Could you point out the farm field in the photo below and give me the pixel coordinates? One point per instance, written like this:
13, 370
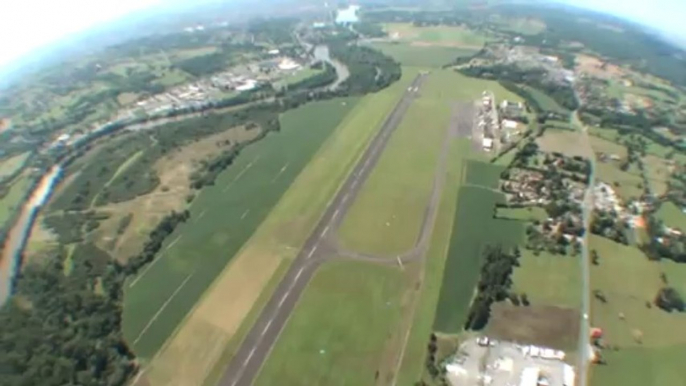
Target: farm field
567, 142
548, 279
644, 335
411, 366
608, 146
451, 36
546, 102
208, 338
672, 216
628, 185
422, 56
523, 214
652, 147
11, 165
474, 214
11, 201
223, 217
340, 327
520, 25
658, 173
297, 77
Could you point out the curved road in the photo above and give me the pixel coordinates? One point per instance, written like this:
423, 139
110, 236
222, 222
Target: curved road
255, 348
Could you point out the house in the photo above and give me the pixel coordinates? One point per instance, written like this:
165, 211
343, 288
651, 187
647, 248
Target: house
487, 144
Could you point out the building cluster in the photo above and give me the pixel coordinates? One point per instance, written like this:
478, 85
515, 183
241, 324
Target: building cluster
488, 123
196, 94
606, 200
530, 58
484, 361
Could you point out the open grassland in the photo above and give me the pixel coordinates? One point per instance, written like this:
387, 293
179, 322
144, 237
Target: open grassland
652, 147
223, 217
645, 337
547, 279
473, 230
545, 101
412, 366
297, 77
340, 327
208, 338
387, 214
628, 185
566, 142
607, 146
658, 172
422, 56
452, 36
13, 198
12, 165
672, 216
534, 213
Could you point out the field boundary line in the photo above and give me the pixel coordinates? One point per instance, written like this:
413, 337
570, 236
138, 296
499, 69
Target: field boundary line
160, 257
157, 314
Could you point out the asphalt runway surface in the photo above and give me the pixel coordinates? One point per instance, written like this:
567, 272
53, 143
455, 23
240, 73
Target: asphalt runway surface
255, 348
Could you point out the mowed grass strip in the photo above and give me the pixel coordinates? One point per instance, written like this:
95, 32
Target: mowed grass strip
548, 279
208, 338
337, 332
423, 56
223, 217
647, 338
387, 214
412, 365
473, 230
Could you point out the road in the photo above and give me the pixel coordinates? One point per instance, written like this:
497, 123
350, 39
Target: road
584, 325
255, 348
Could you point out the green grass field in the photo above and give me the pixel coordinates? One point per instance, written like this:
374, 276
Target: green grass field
337, 332
11, 165
387, 214
422, 326
12, 200
607, 146
439, 35
474, 229
524, 214
672, 216
422, 56
549, 279
647, 338
297, 77
546, 102
223, 218
630, 184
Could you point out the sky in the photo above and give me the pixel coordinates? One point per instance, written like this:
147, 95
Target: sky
29, 24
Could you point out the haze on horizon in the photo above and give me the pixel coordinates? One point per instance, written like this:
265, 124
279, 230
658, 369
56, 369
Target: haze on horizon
32, 24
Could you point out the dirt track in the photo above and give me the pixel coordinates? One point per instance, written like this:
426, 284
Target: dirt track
322, 246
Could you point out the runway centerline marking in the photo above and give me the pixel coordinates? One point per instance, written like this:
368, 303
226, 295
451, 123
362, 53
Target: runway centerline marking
252, 352
325, 230
264, 331
245, 213
283, 299
299, 273
335, 214
312, 252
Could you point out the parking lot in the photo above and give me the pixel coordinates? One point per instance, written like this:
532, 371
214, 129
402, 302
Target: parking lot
487, 362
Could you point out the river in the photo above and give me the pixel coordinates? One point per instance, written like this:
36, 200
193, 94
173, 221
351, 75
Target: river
10, 261
19, 233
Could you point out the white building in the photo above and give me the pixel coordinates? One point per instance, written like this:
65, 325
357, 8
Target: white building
530, 376
348, 15
487, 144
509, 124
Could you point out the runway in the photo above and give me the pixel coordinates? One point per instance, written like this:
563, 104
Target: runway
255, 348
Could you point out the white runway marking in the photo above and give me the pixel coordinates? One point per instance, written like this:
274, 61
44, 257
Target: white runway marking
280, 171
325, 230
252, 352
312, 252
345, 198
161, 255
299, 273
200, 216
147, 326
283, 299
354, 184
239, 175
264, 331
245, 213
335, 214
